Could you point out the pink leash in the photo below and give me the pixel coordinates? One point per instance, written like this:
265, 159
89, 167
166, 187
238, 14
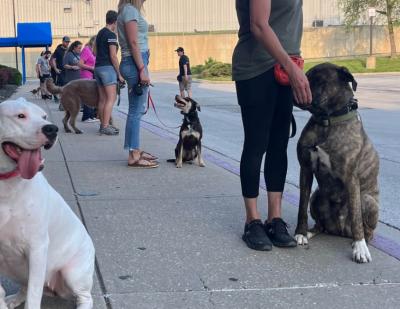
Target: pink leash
150, 102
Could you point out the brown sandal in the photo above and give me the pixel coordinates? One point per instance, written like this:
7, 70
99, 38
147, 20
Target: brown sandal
147, 156
148, 164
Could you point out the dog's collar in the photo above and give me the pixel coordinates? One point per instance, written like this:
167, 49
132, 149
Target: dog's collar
187, 116
346, 113
9, 175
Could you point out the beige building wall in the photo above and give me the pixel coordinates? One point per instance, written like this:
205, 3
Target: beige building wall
328, 42
317, 43
186, 23
326, 10
85, 17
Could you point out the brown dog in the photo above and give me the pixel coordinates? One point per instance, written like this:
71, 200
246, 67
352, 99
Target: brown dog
335, 149
73, 94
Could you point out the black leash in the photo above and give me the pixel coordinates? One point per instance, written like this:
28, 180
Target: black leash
119, 87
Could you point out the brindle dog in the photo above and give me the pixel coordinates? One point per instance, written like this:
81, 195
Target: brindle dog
335, 149
190, 134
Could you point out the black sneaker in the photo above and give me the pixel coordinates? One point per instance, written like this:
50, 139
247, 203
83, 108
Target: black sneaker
255, 237
278, 233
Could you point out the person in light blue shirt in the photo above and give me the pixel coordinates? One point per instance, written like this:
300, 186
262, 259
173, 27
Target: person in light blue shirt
132, 36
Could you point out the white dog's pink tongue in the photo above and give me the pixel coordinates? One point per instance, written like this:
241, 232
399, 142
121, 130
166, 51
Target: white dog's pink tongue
28, 163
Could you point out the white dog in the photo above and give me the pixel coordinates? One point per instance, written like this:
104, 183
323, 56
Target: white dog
43, 245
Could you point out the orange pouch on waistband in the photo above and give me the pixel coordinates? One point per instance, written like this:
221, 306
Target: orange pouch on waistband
281, 75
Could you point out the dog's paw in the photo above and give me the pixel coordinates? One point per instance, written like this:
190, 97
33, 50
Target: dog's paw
301, 239
179, 165
202, 164
361, 252
78, 132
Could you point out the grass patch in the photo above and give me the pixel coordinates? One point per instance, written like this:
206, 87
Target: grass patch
216, 71
357, 65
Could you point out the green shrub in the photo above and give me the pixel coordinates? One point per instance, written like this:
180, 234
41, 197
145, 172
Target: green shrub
209, 63
4, 77
197, 69
219, 69
14, 76
213, 68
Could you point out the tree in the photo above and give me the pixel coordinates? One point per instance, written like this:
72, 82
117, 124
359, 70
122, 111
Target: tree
354, 9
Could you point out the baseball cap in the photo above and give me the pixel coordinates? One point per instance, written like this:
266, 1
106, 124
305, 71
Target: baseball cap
66, 39
179, 49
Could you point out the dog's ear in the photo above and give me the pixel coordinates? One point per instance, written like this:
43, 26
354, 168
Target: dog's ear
195, 104
348, 77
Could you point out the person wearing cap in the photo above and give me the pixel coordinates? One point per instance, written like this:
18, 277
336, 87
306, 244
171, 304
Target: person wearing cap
56, 62
43, 70
185, 75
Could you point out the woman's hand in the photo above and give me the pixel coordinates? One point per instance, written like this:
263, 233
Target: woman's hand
144, 78
76, 67
121, 79
300, 86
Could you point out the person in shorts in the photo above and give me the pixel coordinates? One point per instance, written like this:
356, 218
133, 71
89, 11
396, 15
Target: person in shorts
185, 75
106, 72
43, 70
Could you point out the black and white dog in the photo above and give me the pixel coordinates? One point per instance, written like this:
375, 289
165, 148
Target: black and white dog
190, 134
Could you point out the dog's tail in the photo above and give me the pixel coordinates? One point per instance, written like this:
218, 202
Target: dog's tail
52, 88
171, 160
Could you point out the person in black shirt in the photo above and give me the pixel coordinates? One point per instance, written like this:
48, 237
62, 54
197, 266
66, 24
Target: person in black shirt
185, 75
106, 72
56, 63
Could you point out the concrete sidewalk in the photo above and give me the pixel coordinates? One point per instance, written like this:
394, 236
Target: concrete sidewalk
171, 238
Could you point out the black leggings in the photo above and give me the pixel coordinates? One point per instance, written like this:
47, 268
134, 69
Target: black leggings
266, 114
